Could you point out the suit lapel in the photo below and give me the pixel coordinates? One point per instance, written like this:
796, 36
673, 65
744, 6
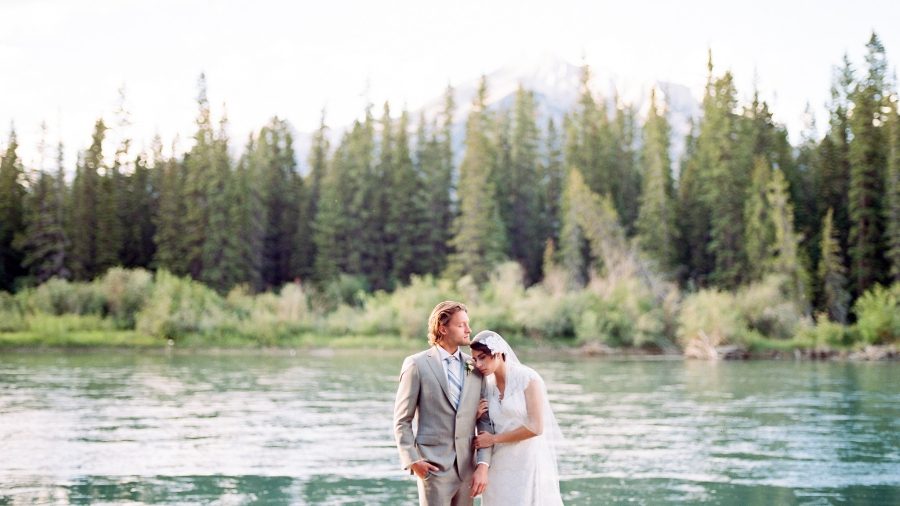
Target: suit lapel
466, 381
434, 361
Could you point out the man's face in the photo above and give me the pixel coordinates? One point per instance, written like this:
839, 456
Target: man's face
457, 331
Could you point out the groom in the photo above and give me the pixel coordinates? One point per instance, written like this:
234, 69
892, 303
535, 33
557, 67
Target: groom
440, 387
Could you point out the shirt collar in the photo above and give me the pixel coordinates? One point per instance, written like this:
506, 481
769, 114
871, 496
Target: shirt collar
443, 353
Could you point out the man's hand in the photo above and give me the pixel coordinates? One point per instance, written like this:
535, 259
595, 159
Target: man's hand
422, 468
479, 480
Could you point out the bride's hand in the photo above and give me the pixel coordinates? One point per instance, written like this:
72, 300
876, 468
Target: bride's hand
485, 440
482, 408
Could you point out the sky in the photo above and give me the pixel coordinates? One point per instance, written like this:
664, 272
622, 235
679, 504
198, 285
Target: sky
64, 61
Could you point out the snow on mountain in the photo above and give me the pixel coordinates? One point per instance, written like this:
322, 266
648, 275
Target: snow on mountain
556, 85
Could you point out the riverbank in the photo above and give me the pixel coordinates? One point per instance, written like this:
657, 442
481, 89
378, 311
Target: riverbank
136, 309
306, 343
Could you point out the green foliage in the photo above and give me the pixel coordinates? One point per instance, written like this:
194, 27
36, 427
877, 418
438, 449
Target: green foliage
760, 310
61, 297
620, 312
878, 315
656, 219
11, 318
177, 307
770, 308
125, 292
711, 315
827, 333
868, 161
479, 239
832, 293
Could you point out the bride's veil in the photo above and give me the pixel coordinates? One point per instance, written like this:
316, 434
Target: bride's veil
551, 432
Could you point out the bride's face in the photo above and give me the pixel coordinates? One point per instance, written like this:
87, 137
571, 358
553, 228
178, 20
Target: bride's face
485, 362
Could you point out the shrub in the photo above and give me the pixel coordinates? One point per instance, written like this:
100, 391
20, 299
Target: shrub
711, 313
768, 309
826, 333
878, 315
495, 307
345, 289
11, 319
179, 306
544, 314
58, 297
618, 311
125, 291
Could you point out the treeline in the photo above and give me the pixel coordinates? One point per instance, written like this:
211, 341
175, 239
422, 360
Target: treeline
388, 202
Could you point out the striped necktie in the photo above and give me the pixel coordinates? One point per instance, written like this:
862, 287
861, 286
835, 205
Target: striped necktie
453, 379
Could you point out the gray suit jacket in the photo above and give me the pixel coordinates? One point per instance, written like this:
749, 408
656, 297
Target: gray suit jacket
444, 434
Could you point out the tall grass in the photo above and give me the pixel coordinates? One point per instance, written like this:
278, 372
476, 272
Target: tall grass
618, 309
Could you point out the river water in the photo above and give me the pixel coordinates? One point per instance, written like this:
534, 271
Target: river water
249, 428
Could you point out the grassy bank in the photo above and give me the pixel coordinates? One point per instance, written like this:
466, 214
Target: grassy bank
617, 313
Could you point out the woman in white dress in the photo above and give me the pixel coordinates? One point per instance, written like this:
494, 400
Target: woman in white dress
525, 437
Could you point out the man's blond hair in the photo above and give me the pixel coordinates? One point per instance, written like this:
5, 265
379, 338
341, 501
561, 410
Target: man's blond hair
441, 315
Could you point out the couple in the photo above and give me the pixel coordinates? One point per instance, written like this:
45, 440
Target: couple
489, 404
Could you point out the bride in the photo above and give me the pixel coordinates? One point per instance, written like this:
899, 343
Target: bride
523, 464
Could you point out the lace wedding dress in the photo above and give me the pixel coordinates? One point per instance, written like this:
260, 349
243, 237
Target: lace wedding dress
522, 473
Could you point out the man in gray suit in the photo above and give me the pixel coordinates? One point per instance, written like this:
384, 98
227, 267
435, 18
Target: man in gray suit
441, 388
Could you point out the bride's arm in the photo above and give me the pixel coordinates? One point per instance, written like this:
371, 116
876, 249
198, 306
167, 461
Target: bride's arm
534, 401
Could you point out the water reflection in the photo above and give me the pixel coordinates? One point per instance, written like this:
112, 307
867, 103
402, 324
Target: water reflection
237, 429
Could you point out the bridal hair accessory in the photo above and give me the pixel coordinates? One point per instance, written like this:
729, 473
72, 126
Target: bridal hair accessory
493, 341
496, 344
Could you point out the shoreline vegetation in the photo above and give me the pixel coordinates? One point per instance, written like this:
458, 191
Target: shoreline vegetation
612, 316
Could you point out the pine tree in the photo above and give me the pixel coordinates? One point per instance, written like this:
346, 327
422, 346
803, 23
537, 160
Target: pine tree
169, 237
340, 230
199, 174
625, 183
377, 210
868, 160
552, 177
589, 140
574, 248
759, 229
12, 210
110, 236
656, 218
86, 199
247, 221
692, 218
140, 210
479, 240
832, 294
318, 166
406, 223
892, 187
808, 165
434, 163
520, 198
722, 181
216, 271
833, 176
786, 259
44, 241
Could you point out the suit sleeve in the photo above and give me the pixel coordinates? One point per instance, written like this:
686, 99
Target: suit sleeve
405, 406
484, 424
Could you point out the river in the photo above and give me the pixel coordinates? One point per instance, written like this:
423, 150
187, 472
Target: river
315, 428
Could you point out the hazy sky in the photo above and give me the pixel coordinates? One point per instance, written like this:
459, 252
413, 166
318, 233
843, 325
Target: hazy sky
63, 61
